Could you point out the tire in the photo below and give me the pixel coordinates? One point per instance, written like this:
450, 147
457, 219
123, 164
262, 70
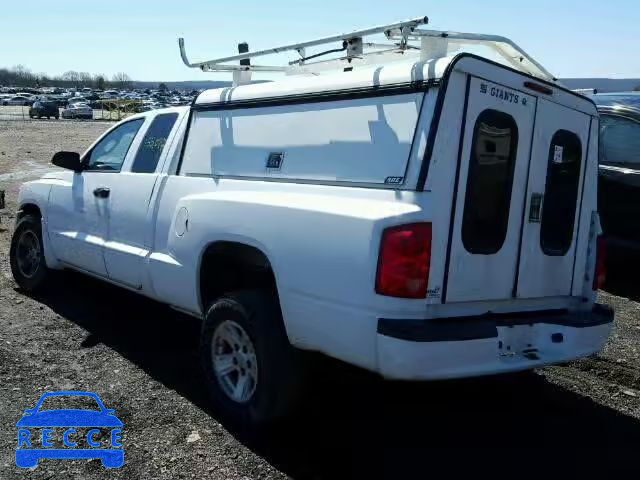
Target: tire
30, 274
278, 368
57, 117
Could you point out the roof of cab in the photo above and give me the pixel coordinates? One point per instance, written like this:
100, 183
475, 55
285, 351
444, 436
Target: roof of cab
374, 76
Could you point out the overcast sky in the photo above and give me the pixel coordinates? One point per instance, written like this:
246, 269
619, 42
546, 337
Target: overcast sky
139, 37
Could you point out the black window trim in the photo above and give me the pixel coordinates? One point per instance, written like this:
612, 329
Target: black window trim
319, 97
87, 155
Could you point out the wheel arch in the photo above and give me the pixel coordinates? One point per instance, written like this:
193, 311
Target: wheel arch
228, 265
29, 208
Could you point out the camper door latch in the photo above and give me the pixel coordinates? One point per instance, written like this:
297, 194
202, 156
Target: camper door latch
535, 208
274, 161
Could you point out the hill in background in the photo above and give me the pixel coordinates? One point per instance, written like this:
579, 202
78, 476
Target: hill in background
603, 84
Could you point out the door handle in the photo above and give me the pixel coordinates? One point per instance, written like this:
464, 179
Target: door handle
101, 192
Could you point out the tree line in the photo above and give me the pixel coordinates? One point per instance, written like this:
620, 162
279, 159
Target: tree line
21, 76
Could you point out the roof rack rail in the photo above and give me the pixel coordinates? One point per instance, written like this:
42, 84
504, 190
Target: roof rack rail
403, 37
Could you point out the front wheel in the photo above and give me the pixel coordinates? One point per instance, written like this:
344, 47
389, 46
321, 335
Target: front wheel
252, 371
26, 254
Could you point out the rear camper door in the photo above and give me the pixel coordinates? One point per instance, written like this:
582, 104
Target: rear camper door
490, 195
554, 200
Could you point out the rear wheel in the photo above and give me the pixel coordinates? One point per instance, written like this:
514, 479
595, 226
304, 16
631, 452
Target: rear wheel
252, 370
26, 255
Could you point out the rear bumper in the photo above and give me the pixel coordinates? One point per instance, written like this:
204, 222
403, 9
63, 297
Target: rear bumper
488, 344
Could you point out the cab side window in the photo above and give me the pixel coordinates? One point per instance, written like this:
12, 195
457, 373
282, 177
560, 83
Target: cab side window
110, 152
619, 141
153, 143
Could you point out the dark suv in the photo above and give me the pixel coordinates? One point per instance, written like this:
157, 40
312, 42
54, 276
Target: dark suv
619, 170
44, 108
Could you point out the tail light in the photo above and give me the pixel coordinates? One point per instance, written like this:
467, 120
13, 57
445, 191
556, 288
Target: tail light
600, 273
403, 261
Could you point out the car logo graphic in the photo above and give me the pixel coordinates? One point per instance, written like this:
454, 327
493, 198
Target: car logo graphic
33, 446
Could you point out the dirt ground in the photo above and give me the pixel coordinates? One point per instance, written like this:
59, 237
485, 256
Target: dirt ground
141, 359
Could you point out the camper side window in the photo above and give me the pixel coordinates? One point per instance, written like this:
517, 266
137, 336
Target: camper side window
489, 182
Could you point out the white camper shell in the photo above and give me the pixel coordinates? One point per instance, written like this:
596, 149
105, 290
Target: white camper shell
422, 218
501, 165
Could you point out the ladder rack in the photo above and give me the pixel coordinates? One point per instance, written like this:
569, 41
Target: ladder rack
403, 38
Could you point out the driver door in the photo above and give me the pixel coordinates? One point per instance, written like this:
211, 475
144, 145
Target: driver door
78, 215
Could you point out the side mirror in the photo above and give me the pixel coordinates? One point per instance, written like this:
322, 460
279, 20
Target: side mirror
68, 160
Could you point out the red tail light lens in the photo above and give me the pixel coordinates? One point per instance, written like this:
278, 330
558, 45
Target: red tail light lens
404, 260
600, 273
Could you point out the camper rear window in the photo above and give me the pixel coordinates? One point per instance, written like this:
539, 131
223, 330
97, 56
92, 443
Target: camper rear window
489, 182
561, 193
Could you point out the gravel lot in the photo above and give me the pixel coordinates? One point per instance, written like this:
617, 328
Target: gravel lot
141, 359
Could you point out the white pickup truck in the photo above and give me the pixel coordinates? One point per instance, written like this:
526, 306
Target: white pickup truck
423, 219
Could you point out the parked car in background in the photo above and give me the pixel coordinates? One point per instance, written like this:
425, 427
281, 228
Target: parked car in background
44, 108
59, 100
78, 110
110, 94
17, 100
29, 95
73, 100
619, 169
